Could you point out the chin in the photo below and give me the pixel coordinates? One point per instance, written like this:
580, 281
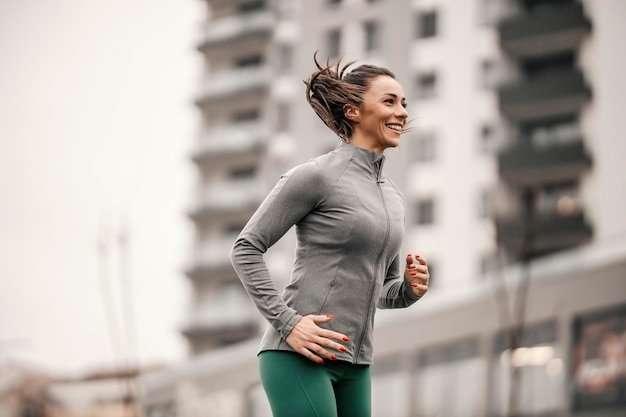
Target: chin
393, 143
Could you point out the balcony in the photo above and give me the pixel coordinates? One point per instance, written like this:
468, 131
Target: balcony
235, 81
228, 317
236, 27
557, 93
546, 30
550, 233
228, 197
211, 257
525, 165
231, 140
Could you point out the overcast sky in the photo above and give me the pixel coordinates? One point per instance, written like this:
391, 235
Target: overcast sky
96, 122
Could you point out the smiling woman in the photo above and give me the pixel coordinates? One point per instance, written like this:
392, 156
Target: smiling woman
338, 99
349, 219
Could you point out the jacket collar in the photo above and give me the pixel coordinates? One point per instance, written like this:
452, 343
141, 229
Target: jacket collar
371, 160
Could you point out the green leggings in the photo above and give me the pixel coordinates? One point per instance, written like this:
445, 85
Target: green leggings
298, 387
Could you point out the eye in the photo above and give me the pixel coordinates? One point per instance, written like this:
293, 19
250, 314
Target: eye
404, 104
389, 100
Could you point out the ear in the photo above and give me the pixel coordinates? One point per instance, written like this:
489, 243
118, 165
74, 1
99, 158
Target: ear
351, 112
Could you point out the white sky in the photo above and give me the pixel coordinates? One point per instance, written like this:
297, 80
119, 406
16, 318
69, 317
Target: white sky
96, 122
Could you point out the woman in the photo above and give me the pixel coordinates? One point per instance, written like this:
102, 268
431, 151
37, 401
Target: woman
314, 358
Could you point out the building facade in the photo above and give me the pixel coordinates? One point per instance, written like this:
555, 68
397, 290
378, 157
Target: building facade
511, 179
228, 156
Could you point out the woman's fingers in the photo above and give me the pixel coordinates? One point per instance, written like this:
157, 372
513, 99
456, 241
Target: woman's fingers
416, 273
310, 340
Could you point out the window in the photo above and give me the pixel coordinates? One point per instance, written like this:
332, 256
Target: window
441, 380
389, 387
488, 74
333, 43
598, 359
246, 116
286, 9
425, 147
258, 404
234, 228
549, 65
282, 117
251, 6
553, 132
372, 35
562, 199
249, 61
488, 11
426, 25
485, 205
539, 359
488, 139
425, 212
488, 264
243, 173
426, 86
285, 58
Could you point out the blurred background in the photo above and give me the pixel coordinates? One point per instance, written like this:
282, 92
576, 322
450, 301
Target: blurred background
137, 138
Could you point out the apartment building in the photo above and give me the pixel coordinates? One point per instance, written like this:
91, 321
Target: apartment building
512, 184
228, 155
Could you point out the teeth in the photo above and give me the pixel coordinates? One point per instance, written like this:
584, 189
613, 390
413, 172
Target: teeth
395, 127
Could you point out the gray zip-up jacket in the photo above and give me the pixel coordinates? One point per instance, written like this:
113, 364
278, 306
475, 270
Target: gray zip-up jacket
349, 221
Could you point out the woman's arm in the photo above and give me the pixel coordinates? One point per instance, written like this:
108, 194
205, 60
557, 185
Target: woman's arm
289, 201
400, 292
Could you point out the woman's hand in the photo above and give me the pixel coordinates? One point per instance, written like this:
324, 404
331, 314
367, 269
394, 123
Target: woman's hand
310, 340
417, 274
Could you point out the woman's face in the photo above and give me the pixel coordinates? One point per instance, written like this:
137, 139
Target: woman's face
382, 115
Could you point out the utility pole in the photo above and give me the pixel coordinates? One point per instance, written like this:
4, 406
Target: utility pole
120, 316
512, 307
516, 330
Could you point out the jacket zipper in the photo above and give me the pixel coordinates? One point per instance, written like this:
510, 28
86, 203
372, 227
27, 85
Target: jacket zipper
380, 254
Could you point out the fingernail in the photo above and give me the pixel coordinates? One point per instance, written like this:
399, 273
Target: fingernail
413, 274
417, 256
414, 285
343, 349
334, 358
345, 339
321, 361
330, 316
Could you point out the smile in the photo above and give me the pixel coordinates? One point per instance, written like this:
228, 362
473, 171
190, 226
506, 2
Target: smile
397, 128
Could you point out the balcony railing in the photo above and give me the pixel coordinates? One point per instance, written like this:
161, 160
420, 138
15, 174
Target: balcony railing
230, 308
231, 139
556, 93
211, 256
525, 165
548, 29
550, 232
228, 197
235, 81
239, 26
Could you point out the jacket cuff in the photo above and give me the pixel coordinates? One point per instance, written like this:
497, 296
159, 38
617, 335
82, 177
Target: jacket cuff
408, 292
289, 322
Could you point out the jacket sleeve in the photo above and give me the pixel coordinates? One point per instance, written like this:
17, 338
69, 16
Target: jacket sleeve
397, 292
296, 194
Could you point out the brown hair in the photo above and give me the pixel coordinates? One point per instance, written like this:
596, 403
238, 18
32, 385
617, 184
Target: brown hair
330, 89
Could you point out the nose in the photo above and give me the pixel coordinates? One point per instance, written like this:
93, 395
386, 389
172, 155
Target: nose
402, 113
